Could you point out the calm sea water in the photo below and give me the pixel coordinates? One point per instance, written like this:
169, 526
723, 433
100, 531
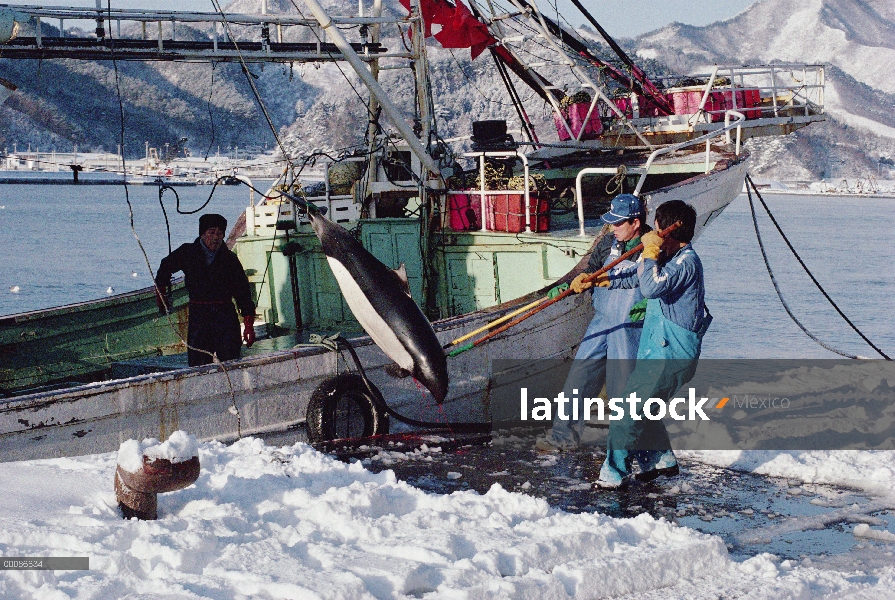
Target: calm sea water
62, 244
845, 242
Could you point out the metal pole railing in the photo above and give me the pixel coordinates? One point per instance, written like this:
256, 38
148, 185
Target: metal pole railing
483, 192
579, 196
675, 147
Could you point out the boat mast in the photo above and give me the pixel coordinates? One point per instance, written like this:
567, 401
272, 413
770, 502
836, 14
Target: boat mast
373, 105
393, 112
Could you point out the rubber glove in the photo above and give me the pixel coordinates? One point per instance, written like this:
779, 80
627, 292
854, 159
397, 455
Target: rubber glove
248, 333
554, 292
161, 302
652, 245
578, 284
602, 280
638, 312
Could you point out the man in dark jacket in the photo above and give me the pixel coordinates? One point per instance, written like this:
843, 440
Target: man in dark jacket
214, 278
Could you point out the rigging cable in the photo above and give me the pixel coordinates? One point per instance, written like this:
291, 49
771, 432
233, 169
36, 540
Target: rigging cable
749, 188
249, 76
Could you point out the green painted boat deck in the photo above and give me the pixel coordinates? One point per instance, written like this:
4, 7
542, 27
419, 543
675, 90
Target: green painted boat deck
124, 335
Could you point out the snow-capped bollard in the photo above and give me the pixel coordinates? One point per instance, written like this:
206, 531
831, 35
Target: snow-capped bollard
148, 468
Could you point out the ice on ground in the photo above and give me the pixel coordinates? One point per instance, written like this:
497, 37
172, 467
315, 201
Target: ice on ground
291, 522
864, 530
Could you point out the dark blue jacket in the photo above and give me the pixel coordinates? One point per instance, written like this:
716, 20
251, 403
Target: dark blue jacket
224, 280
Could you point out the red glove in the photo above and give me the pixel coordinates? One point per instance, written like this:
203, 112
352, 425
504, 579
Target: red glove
248, 333
163, 308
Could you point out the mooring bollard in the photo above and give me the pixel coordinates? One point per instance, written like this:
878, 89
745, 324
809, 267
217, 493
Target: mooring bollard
150, 468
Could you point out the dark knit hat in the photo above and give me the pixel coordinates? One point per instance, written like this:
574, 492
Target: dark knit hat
212, 220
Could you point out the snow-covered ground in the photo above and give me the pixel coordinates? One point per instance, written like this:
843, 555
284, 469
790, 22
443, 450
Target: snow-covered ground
290, 522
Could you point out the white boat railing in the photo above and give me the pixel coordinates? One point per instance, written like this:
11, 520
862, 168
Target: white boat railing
783, 90
644, 171
483, 193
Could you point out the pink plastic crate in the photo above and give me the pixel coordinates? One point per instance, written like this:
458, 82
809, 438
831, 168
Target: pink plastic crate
686, 102
646, 107
745, 99
575, 114
464, 211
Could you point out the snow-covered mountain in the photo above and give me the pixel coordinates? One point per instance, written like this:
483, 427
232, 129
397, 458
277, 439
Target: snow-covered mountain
855, 38
312, 106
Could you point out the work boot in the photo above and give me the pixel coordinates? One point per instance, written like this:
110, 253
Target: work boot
655, 464
611, 478
672, 471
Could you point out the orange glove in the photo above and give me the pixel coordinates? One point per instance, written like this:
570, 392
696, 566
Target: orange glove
602, 280
652, 245
579, 284
248, 333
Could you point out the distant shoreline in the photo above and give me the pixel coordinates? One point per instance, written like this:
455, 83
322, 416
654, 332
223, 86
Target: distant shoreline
818, 194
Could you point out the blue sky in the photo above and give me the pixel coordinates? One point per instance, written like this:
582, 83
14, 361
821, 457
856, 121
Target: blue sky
621, 18
629, 18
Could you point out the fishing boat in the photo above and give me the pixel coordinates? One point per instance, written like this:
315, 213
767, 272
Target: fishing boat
479, 241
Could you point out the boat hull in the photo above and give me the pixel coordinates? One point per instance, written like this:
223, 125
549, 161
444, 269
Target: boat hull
268, 393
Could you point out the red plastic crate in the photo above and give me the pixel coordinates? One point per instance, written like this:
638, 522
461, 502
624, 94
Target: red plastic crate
575, 114
686, 102
506, 212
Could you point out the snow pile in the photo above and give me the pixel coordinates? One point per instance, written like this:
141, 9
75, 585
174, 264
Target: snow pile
294, 523
870, 470
179, 447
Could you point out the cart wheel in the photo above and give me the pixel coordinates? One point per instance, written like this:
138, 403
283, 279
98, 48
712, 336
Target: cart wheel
343, 408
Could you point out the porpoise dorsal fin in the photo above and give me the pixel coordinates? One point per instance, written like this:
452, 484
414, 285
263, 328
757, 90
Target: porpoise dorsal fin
401, 274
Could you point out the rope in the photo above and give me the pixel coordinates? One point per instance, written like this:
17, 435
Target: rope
248, 76
749, 189
616, 185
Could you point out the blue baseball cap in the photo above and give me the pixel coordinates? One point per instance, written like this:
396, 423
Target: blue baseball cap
623, 207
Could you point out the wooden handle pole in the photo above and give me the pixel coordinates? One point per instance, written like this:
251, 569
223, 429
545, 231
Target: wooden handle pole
544, 302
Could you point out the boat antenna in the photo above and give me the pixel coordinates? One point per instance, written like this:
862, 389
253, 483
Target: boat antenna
636, 72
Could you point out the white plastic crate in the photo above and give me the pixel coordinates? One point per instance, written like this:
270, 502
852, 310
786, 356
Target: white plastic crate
262, 220
341, 209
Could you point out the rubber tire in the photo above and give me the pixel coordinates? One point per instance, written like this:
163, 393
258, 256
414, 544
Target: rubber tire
341, 407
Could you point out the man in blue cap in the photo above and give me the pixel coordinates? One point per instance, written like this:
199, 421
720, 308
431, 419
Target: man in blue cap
607, 352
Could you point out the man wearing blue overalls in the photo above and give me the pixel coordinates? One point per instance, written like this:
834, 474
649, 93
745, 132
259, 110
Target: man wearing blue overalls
607, 352
670, 276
